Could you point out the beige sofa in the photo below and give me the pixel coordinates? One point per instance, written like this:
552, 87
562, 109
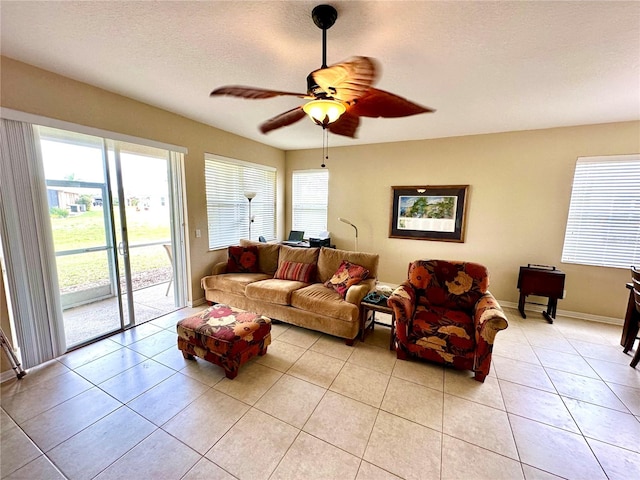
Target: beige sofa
308, 305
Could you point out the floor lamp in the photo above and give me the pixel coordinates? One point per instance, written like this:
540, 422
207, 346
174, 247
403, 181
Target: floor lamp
344, 220
250, 196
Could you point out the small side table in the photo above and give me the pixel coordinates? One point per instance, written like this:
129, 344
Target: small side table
543, 281
365, 322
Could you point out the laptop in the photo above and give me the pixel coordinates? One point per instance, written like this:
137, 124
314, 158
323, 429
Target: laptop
295, 237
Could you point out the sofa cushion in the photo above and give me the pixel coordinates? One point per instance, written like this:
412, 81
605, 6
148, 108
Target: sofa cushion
300, 272
243, 260
232, 282
267, 255
273, 290
318, 298
347, 274
330, 259
297, 254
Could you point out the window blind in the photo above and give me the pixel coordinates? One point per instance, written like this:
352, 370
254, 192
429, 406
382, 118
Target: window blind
603, 227
310, 197
226, 182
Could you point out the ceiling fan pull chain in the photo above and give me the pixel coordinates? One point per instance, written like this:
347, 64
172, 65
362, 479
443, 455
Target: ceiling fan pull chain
325, 145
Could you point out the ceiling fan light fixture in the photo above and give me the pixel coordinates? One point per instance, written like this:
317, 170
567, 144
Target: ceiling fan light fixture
324, 111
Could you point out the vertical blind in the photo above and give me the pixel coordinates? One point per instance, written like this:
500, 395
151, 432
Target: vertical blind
309, 201
27, 246
226, 181
603, 228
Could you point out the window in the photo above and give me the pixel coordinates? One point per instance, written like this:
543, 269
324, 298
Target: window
603, 227
226, 181
309, 201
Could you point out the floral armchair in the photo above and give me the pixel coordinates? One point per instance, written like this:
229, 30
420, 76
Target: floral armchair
444, 313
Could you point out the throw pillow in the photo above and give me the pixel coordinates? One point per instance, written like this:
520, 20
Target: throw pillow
347, 274
243, 260
300, 272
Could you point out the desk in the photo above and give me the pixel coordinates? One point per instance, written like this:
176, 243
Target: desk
304, 244
300, 244
542, 281
631, 320
365, 322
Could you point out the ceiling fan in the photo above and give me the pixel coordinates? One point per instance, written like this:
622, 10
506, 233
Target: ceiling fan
339, 94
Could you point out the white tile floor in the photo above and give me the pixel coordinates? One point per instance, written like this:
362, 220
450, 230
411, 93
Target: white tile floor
561, 402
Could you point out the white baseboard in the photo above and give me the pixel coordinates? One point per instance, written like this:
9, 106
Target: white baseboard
566, 313
197, 302
7, 375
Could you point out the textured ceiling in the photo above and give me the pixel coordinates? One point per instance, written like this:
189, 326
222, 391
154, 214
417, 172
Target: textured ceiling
485, 66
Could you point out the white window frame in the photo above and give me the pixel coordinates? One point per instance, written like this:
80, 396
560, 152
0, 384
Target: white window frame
603, 225
309, 201
227, 180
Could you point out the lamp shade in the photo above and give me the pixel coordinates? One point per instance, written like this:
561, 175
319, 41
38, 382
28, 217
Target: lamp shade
324, 111
344, 220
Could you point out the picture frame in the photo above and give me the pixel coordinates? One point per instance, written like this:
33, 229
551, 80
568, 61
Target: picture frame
430, 212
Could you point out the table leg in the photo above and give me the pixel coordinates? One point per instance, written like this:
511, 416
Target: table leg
521, 305
631, 331
630, 327
392, 341
366, 322
550, 314
363, 322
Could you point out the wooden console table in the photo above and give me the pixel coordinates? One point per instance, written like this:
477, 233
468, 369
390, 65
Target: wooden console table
543, 281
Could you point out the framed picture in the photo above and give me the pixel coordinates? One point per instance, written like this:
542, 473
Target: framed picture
429, 212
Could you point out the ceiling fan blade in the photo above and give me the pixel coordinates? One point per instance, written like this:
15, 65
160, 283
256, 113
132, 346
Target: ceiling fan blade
378, 103
282, 120
253, 93
346, 125
345, 81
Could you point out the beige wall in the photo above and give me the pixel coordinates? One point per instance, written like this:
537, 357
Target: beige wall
40, 92
520, 187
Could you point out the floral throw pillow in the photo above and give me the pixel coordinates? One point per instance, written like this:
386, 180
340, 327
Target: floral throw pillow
347, 274
300, 272
243, 260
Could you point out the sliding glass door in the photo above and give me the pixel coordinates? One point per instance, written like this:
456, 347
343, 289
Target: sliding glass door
143, 232
115, 235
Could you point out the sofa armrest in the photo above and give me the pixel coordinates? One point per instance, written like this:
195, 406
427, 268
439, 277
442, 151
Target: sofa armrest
357, 292
219, 268
403, 303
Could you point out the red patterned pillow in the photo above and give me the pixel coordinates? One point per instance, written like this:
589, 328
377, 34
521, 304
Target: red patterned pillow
300, 272
347, 274
243, 260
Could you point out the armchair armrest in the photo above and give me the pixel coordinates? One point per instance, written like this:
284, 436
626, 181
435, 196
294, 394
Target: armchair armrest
403, 303
489, 320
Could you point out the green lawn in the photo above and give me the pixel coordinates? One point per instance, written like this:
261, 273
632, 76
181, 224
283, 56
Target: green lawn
88, 230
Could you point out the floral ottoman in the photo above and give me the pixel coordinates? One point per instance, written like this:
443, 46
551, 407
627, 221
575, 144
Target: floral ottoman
224, 335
